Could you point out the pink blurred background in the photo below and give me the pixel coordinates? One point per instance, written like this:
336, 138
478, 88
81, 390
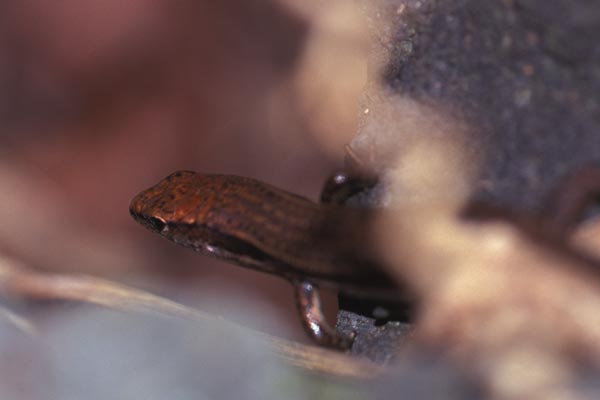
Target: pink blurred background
101, 99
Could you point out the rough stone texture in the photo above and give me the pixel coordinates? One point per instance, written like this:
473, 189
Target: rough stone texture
524, 75
389, 337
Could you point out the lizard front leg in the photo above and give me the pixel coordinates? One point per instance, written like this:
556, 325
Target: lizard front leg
308, 303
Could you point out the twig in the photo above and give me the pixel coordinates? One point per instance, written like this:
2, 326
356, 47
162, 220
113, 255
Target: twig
21, 323
18, 280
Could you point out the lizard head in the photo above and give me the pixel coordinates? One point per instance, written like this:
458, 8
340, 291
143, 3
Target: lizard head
179, 198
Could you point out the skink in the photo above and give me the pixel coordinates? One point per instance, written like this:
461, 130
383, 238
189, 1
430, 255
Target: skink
256, 225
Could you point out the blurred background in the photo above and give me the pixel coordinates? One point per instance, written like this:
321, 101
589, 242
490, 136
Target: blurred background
101, 99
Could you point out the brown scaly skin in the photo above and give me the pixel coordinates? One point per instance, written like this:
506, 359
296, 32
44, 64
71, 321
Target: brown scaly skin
256, 225
232, 217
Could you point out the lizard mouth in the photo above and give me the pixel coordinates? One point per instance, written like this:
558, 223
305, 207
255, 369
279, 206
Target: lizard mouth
155, 224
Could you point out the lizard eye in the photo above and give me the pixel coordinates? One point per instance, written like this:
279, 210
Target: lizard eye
158, 224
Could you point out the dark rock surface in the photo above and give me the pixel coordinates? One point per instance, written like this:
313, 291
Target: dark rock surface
523, 74
378, 343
